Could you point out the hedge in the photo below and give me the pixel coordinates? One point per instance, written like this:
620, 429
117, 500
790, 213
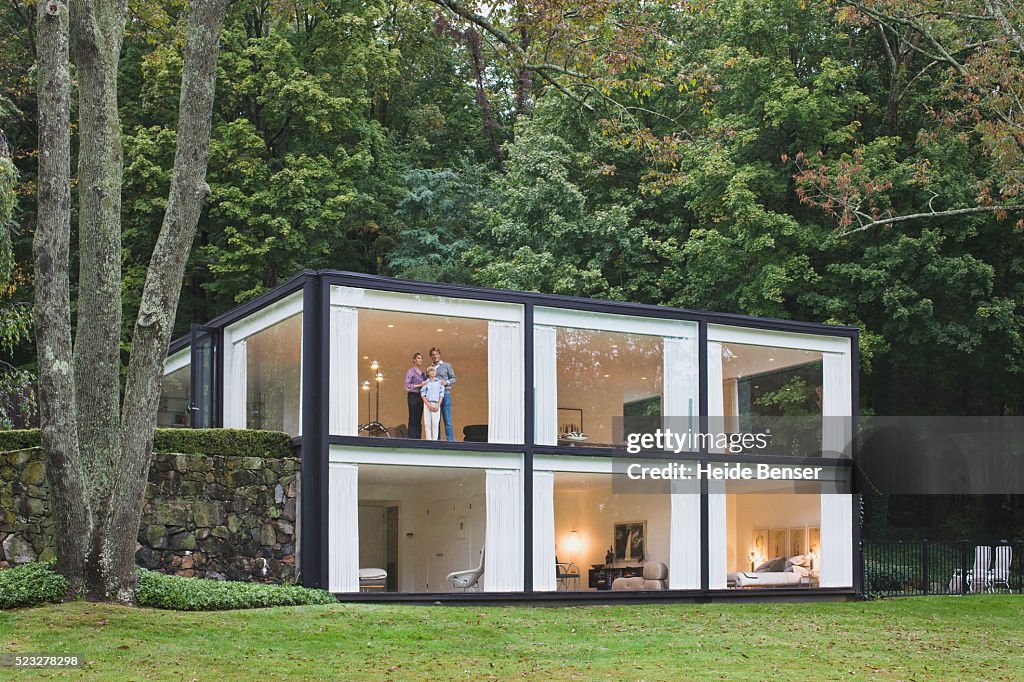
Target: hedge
161, 591
219, 442
30, 585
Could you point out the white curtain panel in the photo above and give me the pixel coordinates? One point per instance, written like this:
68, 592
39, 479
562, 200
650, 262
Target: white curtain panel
504, 382
544, 579
836, 404
681, 384
503, 558
716, 397
684, 539
545, 391
343, 527
836, 540
344, 372
235, 395
717, 536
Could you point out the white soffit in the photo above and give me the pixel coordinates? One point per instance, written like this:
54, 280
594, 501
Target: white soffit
180, 359
266, 317
607, 322
778, 339
429, 305
425, 458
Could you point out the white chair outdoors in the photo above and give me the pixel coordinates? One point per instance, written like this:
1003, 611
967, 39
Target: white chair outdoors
1000, 573
977, 577
470, 578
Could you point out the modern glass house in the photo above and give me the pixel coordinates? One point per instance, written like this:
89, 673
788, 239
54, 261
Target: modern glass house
531, 498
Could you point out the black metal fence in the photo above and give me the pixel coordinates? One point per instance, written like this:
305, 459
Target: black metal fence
924, 567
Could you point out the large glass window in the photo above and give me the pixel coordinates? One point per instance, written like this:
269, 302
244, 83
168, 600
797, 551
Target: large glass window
273, 388
387, 343
384, 346
773, 535
767, 389
418, 525
594, 373
175, 398
605, 540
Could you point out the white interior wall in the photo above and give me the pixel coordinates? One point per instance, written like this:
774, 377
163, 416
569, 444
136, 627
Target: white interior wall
765, 511
428, 514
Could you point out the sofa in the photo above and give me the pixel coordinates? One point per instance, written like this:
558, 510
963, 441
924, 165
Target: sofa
655, 577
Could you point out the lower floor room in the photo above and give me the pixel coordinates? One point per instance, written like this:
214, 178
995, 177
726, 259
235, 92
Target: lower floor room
410, 522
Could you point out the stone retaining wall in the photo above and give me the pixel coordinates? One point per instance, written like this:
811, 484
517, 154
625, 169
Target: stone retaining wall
207, 516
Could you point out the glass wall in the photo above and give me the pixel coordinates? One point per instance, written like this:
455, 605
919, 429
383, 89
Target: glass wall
768, 390
273, 371
387, 343
175, 398
383, 348
594, 373
773, 534
601, 536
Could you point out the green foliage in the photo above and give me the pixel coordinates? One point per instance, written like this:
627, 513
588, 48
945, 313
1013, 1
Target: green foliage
161, 591
30, 585
214, 442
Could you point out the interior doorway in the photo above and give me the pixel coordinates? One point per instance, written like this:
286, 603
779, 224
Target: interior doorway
378, 540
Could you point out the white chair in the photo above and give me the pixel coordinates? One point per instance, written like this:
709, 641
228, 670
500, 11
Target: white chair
1000, 573
977, 577
470, 578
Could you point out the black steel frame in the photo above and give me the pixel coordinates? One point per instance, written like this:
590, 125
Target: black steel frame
314, 444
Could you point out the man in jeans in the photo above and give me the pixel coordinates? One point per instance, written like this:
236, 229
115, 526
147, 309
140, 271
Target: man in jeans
447, 376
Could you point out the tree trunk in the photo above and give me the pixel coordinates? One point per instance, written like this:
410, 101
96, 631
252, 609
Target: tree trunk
96, 35
160, 294
69, 504
99, 463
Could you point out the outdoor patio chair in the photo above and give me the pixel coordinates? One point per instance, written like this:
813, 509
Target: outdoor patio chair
1000, 573
470, 578
978, 575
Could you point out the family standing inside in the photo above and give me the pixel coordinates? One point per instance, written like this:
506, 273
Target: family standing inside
430, 388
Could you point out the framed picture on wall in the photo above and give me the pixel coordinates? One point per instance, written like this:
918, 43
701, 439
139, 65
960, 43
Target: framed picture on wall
778, 542
631, 541
797, 541
759, 545
814, 540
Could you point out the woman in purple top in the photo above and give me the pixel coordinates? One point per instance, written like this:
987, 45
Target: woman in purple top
414, 380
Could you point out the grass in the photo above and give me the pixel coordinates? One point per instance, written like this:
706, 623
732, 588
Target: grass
918, 638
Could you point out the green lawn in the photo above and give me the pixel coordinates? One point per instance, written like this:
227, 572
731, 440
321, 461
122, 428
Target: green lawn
916, 638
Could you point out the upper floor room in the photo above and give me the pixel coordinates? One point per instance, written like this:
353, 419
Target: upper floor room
557, 373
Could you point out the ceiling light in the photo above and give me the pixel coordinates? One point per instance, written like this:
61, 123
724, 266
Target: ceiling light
366, 357
643, 378
391, 326
771, 359
606, 376
440, 330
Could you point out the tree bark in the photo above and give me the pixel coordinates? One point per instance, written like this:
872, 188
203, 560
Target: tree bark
161, 292
97, 29
69, 504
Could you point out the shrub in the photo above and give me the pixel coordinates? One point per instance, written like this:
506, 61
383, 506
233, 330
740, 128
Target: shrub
30, 585
195, 594
219, 442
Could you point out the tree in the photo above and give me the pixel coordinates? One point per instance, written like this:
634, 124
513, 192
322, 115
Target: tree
98, 446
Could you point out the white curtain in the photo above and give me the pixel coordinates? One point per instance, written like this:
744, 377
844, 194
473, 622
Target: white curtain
684, 539
503, 539
836, 540
344, 371
717, 532
679, 401
836, 404
716, 398
545, 382
544, 531
504, 382
235, 395
343, 527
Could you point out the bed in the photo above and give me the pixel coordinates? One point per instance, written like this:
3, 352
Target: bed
778, 572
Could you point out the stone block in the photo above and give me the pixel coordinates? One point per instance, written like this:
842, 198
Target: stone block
222, 532
278, 493
268, 536
17, 550
207, 513
182, 541
34, 473
156, 536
